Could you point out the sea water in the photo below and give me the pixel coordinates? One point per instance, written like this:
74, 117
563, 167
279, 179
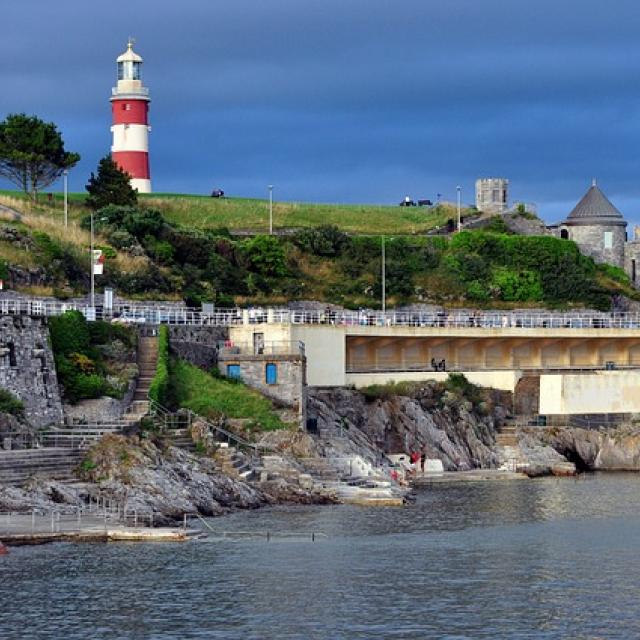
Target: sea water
548, 558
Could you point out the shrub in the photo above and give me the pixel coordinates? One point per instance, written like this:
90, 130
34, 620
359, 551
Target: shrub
326, 240
457, 383
69, 333
10, 404
518, 286
265, 256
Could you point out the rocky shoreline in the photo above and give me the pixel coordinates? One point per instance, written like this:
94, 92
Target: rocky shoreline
141, 476
461, 427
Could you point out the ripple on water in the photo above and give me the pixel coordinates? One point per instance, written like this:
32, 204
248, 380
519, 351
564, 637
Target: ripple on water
541, 559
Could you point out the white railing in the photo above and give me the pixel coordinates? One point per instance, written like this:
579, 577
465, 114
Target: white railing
228, 348
154, 314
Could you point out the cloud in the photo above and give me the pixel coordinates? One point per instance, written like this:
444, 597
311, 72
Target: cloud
347, 100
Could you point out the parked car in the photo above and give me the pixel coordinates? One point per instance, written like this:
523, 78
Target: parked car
217, 193
407, 202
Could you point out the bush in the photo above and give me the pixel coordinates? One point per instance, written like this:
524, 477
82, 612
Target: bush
458, 384
10, 404
518, 286
265, 256
69, 333
159, 389
326, 240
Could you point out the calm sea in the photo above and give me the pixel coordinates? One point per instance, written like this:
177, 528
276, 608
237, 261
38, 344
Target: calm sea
539, 559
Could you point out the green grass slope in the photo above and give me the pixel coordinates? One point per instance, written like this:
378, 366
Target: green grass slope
194, 389
203, 212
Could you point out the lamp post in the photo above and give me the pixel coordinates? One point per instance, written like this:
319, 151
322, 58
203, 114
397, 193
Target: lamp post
459, 189
270, 209
93, 293
65, 176
384, 278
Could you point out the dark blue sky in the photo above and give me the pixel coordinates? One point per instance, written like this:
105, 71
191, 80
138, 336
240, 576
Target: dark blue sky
348, 100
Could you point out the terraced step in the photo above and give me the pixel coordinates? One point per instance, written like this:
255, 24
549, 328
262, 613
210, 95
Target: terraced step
18, 466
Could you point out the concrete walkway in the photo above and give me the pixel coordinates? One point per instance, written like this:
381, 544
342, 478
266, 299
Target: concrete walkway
475, 475
27, 529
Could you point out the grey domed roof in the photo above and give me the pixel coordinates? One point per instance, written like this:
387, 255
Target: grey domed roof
594, 209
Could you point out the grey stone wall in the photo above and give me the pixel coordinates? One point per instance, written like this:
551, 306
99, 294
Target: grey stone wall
197, 345
27, 368
631, 255
590, 239
291, 380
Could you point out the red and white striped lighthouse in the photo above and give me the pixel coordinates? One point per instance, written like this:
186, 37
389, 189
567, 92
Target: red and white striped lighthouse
130, 108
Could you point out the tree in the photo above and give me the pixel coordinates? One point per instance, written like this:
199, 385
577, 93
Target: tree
110, 186
32, 153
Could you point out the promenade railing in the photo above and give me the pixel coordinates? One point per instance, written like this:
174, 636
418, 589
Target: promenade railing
154, 314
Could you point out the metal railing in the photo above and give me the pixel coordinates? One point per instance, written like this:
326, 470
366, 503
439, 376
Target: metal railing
448, 366
145, 313
186, 417
76, 438
229, 348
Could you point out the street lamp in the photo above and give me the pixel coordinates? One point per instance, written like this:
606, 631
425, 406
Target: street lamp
384, 279
270, 187
65, 176
93, 294
459, 189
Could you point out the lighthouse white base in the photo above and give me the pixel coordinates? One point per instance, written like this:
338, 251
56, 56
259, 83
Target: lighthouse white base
142, 185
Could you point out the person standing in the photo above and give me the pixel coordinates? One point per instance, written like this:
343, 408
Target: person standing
423, 459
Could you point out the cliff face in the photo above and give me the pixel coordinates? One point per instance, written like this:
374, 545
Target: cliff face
604, 450
442, 423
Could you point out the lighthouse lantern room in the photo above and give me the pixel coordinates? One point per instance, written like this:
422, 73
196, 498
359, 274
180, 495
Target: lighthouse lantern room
130, 129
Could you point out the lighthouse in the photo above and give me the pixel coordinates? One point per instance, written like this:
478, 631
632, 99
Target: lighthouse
130, 129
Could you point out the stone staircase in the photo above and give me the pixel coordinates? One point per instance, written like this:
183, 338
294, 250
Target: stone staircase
147, 363
235, 463
17, 466
507, 436
182, 439
510, 455
365, 490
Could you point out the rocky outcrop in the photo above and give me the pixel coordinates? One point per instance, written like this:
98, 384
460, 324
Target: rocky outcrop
27, 368
148, 476
445, 425
603, 450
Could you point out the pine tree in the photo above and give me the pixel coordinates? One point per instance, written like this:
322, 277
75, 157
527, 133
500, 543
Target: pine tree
32, 153
110, 186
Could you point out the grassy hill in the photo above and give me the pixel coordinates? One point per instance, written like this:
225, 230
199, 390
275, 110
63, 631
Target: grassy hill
244, 214
150, 255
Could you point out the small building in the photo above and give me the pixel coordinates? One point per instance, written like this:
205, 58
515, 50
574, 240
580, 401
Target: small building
597, 227
277, 369
492, 195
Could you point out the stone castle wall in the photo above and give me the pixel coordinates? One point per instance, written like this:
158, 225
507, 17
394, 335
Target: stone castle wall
590, 240
27, 368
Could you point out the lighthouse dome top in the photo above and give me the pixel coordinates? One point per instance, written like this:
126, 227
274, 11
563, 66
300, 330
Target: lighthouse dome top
129, 55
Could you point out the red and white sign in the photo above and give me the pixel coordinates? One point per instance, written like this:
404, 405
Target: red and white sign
98, 262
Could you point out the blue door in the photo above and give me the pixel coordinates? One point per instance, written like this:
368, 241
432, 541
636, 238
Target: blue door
233, 371
272, 373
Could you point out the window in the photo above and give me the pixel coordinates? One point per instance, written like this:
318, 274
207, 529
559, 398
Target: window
233, 371
271, 373
608, 239
564, 234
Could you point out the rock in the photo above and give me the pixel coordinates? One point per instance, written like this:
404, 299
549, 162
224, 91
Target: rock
447, 427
